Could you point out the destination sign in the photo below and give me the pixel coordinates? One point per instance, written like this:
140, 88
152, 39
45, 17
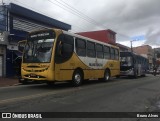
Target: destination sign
41, 35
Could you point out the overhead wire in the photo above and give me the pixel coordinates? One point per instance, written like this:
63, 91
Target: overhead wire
23, 4
82, 15
76, 12
65, 6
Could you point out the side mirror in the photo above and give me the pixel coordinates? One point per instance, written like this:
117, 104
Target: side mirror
21, 45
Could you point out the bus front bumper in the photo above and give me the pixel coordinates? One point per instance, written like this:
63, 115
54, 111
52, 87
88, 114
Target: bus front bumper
127, 73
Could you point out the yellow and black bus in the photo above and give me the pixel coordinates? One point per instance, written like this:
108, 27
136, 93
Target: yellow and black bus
52, 55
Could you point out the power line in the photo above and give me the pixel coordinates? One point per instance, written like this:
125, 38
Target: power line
79, 12
74, 11
64, 7
81, 15
43, 12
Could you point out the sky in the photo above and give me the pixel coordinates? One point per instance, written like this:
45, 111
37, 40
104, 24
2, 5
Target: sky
132, 20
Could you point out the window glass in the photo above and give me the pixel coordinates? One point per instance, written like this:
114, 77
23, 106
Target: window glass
81, 47
107, 52
116, 54
126, 61
64, 48
100, 55
91, 49
106, 49
90, 45
99, 49
112, 53
69, 39
80, 43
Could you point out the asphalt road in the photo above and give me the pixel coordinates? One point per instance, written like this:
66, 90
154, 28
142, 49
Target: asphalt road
118, 95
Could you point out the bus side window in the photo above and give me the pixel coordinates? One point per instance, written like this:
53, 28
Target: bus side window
107, 52
116, 54
99, 50
67, 46
112, 53
91, 49
80, 47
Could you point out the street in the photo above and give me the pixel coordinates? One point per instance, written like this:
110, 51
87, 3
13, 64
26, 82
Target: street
118, 95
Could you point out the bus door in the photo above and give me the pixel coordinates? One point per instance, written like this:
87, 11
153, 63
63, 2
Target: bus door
63, 54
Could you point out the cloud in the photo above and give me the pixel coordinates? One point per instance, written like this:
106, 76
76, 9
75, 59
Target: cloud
127, 18
153, 37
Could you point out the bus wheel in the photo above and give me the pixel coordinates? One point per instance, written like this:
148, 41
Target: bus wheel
106, 75
77, 78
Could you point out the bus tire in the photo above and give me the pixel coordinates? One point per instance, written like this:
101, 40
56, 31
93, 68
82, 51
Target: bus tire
106, 75
77, 78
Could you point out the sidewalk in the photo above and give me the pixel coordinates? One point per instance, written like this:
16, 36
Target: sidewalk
8, 81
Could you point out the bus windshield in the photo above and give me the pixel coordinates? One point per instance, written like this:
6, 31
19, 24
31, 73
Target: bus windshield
38, 51
126, 61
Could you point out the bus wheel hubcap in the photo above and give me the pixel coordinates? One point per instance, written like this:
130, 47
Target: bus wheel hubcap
77, 78
107, 76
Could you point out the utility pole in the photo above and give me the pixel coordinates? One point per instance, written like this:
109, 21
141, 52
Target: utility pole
155, 57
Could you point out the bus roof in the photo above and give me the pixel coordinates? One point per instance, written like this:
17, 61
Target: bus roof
76, 35
124, 54
86, 38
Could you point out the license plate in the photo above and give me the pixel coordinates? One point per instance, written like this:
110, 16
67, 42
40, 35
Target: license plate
33, 75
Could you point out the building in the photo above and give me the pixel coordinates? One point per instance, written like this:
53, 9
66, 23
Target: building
107, 36
156, 53
15, 22
146, 51
123, 48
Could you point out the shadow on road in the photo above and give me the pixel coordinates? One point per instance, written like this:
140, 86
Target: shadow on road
68, 85
65, 85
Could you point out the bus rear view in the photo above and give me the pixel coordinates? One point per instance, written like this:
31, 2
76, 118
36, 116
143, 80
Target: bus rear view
126, 64
132, 64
